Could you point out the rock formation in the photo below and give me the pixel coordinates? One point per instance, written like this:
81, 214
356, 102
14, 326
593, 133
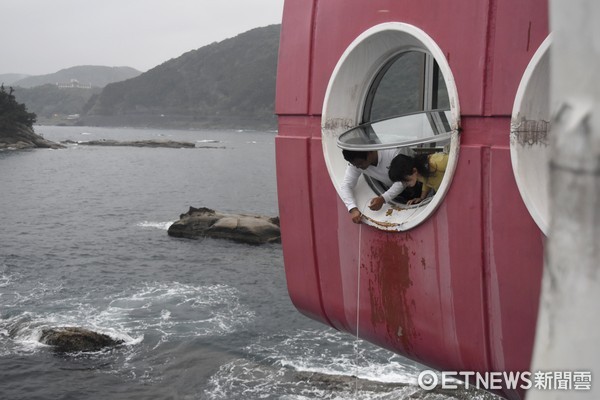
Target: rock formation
204, 222
74, 339
19, 136
139, 143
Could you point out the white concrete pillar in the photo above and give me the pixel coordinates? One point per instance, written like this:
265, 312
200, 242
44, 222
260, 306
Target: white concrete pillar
568, 334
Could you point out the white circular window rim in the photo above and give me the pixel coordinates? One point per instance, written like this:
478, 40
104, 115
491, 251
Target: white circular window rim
529, 159
344, 104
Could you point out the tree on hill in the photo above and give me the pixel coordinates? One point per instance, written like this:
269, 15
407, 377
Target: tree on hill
16, 125
13, 112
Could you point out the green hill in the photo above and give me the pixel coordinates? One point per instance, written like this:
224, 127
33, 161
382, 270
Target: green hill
60, 98
93, 75
9, 79
225, 84
51, 103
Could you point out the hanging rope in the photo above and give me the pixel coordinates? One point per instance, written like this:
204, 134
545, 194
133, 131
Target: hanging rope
357, 340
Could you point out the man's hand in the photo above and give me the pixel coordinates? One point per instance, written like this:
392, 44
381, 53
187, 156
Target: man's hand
355, 215
376, 203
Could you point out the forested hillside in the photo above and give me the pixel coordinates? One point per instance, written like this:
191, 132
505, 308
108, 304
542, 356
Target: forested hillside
48, 101
93, 75
9, 79
226, 84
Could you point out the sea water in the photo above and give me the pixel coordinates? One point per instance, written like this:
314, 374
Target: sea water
83, 242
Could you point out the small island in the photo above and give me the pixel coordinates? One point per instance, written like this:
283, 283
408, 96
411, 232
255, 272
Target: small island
16, 125
138, 143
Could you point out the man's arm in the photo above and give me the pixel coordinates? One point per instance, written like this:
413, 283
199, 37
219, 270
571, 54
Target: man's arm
347, 189
347, 192
393, 191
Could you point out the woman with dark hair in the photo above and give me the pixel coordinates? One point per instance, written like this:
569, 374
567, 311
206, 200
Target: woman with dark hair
428, 169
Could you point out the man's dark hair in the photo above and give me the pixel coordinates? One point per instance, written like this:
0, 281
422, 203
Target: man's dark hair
350, 155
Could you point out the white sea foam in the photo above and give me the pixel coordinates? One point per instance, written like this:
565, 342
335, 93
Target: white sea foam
179, 310
5, 281
156, 225
158, 312
243, 378
16, 298
25, 330
315, 364
208, 141
349, 357
165, 315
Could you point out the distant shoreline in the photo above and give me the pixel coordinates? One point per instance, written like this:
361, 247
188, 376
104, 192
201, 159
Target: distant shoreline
166, 122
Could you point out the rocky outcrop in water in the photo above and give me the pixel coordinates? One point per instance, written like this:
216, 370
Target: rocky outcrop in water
74, 340
138, 143
204, 222
345, 382
19, 136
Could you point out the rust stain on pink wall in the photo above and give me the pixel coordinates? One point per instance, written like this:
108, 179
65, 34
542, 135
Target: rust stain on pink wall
389, 280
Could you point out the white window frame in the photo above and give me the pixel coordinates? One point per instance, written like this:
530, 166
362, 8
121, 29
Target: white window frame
344, 106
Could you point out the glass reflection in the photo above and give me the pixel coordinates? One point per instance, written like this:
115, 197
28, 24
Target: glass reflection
407, 130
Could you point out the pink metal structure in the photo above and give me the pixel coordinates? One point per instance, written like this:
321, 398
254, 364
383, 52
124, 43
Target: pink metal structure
460, 290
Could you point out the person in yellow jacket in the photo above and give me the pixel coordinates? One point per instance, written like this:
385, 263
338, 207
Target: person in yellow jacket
426, 168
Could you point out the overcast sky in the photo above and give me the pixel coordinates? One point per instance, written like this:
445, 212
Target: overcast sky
44, 36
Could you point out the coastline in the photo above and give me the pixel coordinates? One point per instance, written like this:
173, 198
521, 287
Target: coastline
19, 136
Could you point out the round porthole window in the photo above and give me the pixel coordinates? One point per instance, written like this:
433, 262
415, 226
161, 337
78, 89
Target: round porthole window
391, 95
530, 125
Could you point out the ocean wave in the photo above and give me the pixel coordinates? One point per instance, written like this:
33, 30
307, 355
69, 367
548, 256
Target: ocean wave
5, 280
17, 298
324, 364
21, 333
153, 313
315, 364
208, 141
179, 310
335, 353
157, 225
249, 379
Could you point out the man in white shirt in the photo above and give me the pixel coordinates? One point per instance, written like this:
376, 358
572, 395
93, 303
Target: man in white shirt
376, 165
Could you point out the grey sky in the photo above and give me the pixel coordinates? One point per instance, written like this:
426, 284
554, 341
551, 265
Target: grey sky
44, 36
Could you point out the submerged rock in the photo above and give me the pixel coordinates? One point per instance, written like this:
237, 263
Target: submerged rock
340, 383
204, 222
140, 143
74, 339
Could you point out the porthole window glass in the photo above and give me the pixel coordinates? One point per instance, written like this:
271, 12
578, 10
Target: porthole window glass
411, 130
391, 90
406, 93
441, 99
397, 89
